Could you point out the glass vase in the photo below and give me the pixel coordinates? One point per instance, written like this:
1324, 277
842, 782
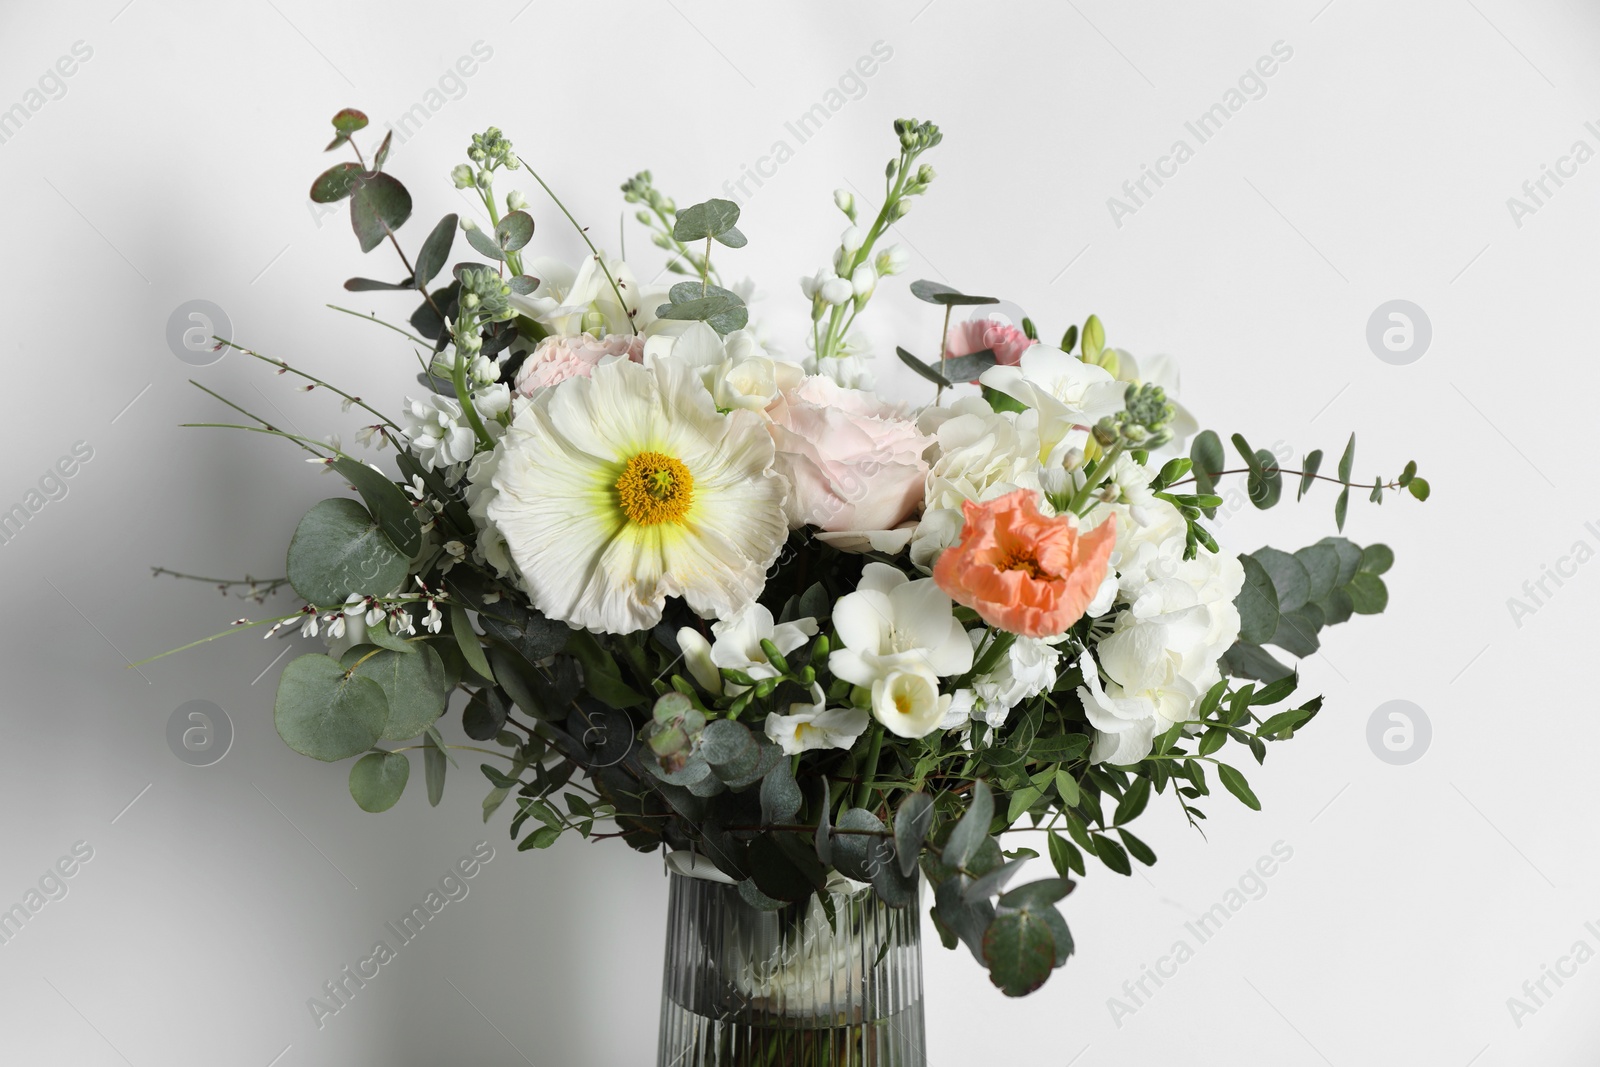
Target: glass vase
789, 988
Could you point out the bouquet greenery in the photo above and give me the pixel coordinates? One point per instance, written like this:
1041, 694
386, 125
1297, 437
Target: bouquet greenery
705, 597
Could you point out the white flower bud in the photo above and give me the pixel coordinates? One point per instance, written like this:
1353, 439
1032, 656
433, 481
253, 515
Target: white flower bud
462, 175
851, 239
864, 280
902, 208
1073, 459
468, 224
836, 291
516, 201
845, 200
892, 260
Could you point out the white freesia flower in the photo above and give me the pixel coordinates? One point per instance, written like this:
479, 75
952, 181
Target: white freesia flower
738, 646
907, 701
617, 491
982, 454
891, 623
440, 437
1064, 390
815, 725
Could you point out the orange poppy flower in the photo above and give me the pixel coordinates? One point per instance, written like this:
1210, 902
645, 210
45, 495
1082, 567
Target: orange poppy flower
1023, 571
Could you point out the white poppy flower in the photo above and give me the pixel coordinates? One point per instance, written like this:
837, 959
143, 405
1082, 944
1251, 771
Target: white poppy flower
617, 491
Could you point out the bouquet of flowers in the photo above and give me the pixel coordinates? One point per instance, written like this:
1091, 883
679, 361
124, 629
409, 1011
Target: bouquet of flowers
709, 597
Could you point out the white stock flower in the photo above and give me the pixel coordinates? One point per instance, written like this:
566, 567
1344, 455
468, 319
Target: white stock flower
493, 401
891, 260
891, 623
907, 701
1064, 390
837, 291
1027, 669
815, 725
440, 437
480, 492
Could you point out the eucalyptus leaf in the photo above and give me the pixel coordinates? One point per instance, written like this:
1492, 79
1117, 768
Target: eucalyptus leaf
1368, 594
1209, 461
1257, 603
708, 219
732, 237
856, 854
378, 778
435, 251
372, 285
1308, 471
1020, 951
911, 822
1289, 577
514, 231
945, 296
967, 368
780, 795
338, 549
973, 829
922, 368
388, 504
1321, 563
414, 685
321, 713
485, 244
434, 767
379, 205
349, 120
335, 183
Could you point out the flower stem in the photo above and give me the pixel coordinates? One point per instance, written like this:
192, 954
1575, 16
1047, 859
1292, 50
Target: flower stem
869, 769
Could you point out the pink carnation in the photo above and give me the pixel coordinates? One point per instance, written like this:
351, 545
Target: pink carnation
1006, 341
558, 358
852, 461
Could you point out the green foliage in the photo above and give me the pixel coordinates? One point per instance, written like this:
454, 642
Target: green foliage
414, 686
379, 205
323, 712
377, 780
338, 549
719, 308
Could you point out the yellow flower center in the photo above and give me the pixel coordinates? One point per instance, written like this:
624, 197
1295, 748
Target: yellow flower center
655, 488
902, 702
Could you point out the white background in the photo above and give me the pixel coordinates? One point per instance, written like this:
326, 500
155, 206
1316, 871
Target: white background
1377, 166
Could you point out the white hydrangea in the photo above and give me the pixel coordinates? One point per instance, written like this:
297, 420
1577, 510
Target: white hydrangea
981, 454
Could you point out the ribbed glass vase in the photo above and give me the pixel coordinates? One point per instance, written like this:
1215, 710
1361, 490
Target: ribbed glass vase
751, 988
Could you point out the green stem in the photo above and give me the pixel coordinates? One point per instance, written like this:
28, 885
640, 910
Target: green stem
1102, 471
373, 318
869, 769
585, 235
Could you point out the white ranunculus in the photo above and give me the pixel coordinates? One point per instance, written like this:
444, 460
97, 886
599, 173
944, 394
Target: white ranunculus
907, 701
891, 623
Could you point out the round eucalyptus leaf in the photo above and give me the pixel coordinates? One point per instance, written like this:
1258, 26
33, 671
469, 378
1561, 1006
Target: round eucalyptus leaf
333, 184
1020, 949
323, 714
337, 550
378, 778
514, 231
379, 205
1257, 603
415, 686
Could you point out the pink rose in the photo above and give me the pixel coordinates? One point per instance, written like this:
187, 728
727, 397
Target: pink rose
1006, 341
853, 462
558, 358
